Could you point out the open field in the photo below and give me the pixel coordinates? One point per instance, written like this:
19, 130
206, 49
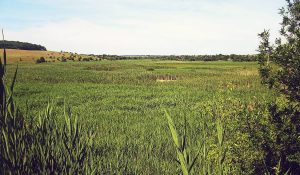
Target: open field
124, 102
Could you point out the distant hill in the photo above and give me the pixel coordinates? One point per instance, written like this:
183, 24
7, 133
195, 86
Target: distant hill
21, 45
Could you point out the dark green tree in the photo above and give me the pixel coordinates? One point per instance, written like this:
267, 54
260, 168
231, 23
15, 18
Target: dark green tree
280, 70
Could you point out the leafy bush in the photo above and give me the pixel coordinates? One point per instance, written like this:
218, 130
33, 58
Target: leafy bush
40, 60
63, 59
280, 70
150, 69
87, 59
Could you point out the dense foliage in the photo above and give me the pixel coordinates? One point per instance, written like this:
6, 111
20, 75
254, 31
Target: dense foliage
40, 60
280, 70
21, 45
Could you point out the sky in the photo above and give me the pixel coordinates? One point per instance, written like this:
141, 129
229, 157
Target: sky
141, 27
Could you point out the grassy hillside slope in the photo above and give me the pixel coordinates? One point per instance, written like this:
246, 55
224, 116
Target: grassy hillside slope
15, 55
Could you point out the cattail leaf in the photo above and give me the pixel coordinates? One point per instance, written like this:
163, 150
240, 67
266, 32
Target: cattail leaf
4, 60
173, 130
4, 53
223, 156
180, 153
184, 140
193, 162
6, 141
67, 122
182, 163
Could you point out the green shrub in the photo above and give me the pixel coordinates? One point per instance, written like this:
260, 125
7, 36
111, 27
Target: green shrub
40, 60
63, 59
150, 69
87, 59
280, 70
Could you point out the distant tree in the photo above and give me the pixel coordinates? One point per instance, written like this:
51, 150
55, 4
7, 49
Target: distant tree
280, 70
86, 59
21, 45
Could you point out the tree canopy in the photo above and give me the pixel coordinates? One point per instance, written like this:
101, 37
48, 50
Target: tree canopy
21, 45
280, 70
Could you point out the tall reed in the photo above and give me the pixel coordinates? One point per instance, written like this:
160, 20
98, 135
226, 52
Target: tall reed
42, 147
207, 165
184, 157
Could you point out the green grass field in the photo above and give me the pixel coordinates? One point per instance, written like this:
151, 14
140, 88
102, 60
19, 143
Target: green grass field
124, 103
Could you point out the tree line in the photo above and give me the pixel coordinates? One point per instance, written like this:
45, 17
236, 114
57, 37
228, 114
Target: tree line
218, 57
21, 45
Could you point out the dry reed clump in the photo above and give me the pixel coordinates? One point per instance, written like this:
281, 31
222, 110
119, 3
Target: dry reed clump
166, 78
248, 73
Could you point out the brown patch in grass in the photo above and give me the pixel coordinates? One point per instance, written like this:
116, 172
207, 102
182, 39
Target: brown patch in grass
166, 78
247, 72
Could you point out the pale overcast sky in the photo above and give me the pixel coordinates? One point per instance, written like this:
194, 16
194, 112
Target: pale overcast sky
127, 27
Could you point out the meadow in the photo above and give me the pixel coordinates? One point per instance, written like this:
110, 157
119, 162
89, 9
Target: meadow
124, 102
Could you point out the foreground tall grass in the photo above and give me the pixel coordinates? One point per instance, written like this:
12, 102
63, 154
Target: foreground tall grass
184, 155
39, 145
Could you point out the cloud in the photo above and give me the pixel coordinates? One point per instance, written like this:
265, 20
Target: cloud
150, 27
